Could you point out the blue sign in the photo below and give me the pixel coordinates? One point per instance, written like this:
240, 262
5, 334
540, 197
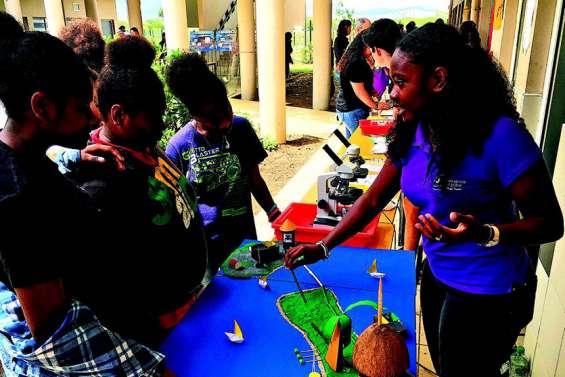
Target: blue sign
225, 40
202, 40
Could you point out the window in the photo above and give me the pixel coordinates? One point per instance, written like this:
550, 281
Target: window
76, 7
108, 28
39, 24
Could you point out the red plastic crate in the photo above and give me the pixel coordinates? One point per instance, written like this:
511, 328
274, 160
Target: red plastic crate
371, 127
303, 215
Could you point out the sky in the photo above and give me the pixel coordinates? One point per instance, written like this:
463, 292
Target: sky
367, 8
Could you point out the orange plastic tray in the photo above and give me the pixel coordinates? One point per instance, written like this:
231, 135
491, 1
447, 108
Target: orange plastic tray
303, 215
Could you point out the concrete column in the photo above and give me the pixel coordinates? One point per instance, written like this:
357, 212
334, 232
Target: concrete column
247, 55
321, 40
134, 15
91, 8
466, 11
55, 16
176, 25
200, 7
14, 8
475, 11
270, 58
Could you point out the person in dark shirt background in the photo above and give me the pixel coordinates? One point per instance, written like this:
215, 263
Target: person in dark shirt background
220, 154
341, 41
288, 52
354, 99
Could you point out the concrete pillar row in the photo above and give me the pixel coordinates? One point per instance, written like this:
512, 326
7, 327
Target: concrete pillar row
176, 25
14, 8
475, 11
247, 54
321, 40
466, 11
91, 8
134, 15
55, 16
270, 58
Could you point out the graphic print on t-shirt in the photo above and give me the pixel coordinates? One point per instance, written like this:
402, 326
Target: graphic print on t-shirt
214, 171
167, 176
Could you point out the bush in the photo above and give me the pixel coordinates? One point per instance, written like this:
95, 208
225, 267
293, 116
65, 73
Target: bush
176, 114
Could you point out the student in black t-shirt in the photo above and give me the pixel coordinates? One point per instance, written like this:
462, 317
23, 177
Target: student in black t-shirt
220, 154
354, 100
154, 250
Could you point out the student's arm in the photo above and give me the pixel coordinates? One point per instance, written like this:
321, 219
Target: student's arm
260, 190
44, 306
363, 95
365, 209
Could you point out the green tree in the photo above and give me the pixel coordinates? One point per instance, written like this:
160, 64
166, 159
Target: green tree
343, 13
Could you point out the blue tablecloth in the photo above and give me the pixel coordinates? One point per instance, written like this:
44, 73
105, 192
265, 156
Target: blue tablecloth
198, 347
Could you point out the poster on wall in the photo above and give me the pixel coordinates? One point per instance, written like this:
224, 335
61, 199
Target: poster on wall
225, 40
202, 40
498, 14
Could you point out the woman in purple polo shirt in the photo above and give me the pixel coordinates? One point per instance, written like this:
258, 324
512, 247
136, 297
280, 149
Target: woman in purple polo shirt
461, 153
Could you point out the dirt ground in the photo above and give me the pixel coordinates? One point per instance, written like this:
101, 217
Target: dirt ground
282, 164
299, 91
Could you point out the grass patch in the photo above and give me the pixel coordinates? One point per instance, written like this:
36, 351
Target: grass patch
301, 68
311, 317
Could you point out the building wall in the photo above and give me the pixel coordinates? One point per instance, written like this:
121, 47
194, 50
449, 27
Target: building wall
70, 12
502, 43
545, 335
36, 8
215, 9
484, 22
107, 10
2, 7
532, 56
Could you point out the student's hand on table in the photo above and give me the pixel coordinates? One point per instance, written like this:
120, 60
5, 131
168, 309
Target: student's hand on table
468, 229
96, 153
303, 254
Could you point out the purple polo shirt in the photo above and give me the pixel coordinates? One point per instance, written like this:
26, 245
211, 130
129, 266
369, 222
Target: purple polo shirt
479, 185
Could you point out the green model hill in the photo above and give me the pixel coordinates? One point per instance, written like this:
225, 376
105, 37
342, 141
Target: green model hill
311, 318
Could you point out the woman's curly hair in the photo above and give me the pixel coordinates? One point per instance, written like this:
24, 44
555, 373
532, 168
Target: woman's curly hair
477, 93
84, 37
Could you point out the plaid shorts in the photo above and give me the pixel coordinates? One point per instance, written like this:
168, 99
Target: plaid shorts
81, 346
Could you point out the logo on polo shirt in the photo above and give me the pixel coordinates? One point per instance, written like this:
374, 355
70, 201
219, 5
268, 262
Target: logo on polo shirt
442, 183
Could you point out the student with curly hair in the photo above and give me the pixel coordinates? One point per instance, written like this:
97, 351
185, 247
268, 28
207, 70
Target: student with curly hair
156, 257
220, 154
46, 327
472, 177
85, 38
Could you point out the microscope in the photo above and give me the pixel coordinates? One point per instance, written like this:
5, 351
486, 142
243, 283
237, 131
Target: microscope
334, 193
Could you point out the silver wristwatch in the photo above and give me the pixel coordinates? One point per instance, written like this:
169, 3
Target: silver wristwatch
324, 247
494, 238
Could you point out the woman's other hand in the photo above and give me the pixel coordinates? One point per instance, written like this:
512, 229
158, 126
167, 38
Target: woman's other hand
468, 228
